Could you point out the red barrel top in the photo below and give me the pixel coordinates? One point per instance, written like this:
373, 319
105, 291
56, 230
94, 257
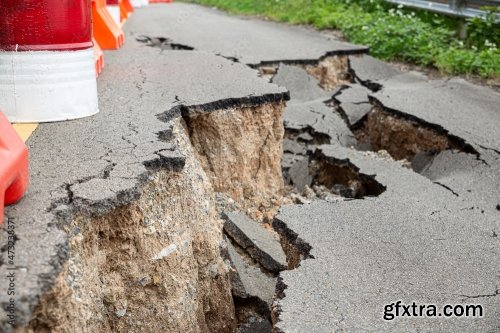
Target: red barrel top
45, 25
113, 2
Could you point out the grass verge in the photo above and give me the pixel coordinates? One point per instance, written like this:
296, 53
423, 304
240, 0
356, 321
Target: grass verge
392, 32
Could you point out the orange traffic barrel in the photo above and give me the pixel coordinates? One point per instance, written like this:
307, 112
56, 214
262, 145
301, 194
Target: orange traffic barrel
47, 70
107, 32
13, 165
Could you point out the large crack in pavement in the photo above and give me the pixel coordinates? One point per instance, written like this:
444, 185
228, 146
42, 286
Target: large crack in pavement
96, 221
312, 119
344, 239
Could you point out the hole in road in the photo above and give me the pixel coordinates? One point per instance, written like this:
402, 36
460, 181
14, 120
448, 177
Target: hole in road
163, 43
405, 139
324, 177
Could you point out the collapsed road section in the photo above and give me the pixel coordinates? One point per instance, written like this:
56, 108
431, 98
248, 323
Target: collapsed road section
119, 231
430, 237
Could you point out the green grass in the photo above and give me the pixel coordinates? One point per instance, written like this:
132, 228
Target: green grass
393, 33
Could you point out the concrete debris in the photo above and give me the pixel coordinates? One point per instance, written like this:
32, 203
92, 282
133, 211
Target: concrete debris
299, 175
258, 242
293, 147
247, 280
369, 71
288, 161
414, 231
340, 175
353, 103
302, 86
320, 120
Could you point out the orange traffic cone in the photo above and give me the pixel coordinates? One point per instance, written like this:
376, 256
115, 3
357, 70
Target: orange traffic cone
108, 34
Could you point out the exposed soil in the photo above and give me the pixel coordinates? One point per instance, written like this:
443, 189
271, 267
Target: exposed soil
331, 71
343, 178
156, 258
240, 149
403, 138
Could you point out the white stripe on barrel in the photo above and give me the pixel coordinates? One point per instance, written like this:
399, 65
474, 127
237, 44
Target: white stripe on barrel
46, 86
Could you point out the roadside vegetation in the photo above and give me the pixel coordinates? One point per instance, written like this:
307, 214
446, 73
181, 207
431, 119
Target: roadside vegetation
392, 32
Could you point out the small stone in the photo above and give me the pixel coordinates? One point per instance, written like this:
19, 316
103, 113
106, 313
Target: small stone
165, 252
120, 313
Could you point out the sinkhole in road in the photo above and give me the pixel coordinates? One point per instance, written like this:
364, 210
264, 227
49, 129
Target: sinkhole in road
406, 138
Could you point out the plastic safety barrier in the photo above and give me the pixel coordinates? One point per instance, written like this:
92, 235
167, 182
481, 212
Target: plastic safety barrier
107, 32
126, 9
14, 177
114, 9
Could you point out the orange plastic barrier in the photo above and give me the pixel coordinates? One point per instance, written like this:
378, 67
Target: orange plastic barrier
126, 9
107, 33
99, 58
13, 165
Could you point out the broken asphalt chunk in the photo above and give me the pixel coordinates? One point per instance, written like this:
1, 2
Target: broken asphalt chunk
260, 244
299, 174
248, 281
354, 102
369, 70
302, 86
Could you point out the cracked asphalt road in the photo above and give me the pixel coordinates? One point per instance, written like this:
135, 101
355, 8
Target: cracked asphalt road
95, 164
417, 241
